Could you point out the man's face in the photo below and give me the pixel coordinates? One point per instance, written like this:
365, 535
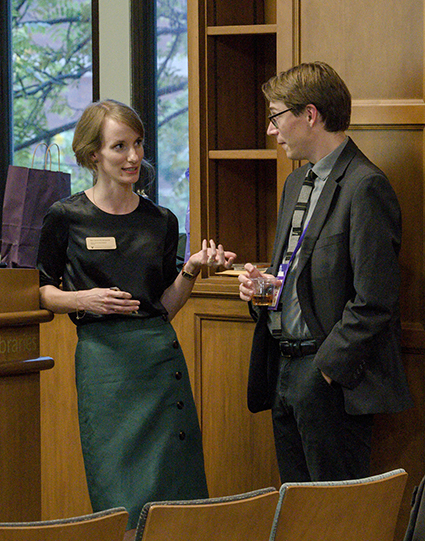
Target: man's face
292, 132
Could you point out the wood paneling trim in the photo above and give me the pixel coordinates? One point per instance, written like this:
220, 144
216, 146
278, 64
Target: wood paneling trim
217, 286
251, 154
15, 368
31, 317
196, 48
242, 29
393, 112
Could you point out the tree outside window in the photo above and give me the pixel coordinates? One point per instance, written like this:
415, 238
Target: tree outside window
52, 78
172, 89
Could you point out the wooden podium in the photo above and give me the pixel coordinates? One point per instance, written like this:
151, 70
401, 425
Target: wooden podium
20, 366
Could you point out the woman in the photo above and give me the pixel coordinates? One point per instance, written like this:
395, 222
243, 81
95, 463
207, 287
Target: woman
107, 257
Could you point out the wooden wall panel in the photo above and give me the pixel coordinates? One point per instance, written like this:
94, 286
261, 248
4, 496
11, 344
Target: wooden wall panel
216, 336
20, 448
238, 445
399, 152
63, 480
377, 47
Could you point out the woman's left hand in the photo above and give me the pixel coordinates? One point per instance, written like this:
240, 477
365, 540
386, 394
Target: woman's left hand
210, 256
175, 296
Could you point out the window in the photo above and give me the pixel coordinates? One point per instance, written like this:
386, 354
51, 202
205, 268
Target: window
173, 137
6, 144
52, 79
159, 77
52, 66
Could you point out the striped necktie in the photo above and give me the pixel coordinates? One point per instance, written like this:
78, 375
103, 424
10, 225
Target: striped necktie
298, 218
300, 212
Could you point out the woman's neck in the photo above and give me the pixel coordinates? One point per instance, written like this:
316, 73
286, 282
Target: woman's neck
113, 200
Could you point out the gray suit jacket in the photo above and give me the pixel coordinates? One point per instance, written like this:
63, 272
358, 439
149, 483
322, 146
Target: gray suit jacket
348, 281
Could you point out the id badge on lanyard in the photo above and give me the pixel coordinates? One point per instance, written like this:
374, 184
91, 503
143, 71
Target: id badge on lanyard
281, 275
283, 271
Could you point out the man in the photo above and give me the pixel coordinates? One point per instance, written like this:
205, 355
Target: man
328, 356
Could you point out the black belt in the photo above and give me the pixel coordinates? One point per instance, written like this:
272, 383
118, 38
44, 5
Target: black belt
298, 348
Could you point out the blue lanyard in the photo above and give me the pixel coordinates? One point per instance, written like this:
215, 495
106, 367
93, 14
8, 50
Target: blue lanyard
283, 270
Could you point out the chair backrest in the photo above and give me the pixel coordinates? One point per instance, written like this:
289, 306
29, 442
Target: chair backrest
106, 525
355, 510
247, 517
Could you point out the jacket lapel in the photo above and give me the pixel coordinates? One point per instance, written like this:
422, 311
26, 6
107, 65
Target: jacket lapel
330, 191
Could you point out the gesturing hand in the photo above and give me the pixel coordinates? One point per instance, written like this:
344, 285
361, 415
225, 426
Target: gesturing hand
211, 256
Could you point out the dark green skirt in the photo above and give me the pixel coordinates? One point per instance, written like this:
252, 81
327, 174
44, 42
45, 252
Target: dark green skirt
139, 428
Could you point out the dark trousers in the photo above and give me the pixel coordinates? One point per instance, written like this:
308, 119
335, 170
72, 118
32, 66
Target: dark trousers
316, 440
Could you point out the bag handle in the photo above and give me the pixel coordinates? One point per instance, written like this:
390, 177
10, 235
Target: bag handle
45, 156
48, 154
48, 151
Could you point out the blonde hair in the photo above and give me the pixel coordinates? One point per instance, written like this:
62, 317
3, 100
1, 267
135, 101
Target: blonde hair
316, 83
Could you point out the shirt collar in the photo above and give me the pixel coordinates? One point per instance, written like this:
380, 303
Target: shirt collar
324, 166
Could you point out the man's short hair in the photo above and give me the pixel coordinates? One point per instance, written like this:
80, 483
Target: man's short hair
313, 83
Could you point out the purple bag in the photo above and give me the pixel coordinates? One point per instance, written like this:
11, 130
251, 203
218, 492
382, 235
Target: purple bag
28, 195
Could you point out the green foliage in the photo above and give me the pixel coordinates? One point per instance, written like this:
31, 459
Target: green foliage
51, 55
173, 139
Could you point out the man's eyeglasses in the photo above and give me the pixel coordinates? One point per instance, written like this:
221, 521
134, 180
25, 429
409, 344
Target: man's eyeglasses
272, 118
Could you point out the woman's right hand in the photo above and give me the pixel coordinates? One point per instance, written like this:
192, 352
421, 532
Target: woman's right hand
105, 301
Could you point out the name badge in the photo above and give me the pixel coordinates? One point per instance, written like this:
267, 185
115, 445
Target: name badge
281, 275
101, 243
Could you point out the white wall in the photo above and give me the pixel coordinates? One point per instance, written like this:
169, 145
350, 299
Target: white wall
114, 50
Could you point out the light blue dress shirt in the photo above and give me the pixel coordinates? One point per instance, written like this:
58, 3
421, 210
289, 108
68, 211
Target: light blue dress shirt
293, 325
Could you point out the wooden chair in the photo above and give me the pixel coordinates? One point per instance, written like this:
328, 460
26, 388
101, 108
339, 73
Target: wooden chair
247, 517
106, 525
355, 510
